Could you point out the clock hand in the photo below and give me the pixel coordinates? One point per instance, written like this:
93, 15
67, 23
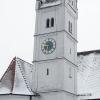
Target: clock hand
47, 46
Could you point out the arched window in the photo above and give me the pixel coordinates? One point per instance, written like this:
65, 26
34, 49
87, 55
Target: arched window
47, 23
52, 22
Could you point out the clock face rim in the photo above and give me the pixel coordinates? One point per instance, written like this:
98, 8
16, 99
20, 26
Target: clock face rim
52, 49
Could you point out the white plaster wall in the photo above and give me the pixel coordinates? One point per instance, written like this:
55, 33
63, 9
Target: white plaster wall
55, 96
69, 82
74, 6
59, 71
64, 43
55, 79
14, 97
69, 43
59, 51
59, 76
57, 12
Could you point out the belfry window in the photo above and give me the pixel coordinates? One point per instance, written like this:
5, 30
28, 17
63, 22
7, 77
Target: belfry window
52, 22
48, 23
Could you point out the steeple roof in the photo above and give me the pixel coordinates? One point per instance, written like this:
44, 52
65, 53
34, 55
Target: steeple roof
17, 79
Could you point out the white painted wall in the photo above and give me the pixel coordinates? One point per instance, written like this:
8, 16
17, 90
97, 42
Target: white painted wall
14, 97
59, 69
58, 37
70, 80
57, 12
69, 43
55, 96
53, 81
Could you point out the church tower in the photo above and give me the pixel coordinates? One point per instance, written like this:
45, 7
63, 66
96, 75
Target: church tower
55, 50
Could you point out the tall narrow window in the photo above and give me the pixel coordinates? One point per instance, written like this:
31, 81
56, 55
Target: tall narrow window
47, 23
70, 51
70, 72
47, 71
52, 22
76, 3
70, 27
72, 3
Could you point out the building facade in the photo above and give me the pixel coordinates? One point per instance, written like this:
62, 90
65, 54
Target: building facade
54, 71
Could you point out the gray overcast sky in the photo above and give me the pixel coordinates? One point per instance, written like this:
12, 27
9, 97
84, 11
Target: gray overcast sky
17, 24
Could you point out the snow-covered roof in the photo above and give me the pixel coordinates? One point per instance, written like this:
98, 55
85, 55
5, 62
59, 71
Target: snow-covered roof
88, 52
17, 79
89, 73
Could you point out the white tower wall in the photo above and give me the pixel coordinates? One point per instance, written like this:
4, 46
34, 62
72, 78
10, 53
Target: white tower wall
55, 72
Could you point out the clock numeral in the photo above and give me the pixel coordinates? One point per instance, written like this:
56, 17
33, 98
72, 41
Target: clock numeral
48, 46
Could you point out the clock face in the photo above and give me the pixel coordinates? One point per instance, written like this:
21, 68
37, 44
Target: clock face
48, 46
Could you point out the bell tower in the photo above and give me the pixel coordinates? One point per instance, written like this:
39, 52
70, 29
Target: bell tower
55, 49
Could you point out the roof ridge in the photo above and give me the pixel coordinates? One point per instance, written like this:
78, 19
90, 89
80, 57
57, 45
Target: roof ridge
88, 52
23, 60
24, 77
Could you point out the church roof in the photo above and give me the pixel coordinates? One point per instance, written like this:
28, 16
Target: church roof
88, 52
89, 73
17, 79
